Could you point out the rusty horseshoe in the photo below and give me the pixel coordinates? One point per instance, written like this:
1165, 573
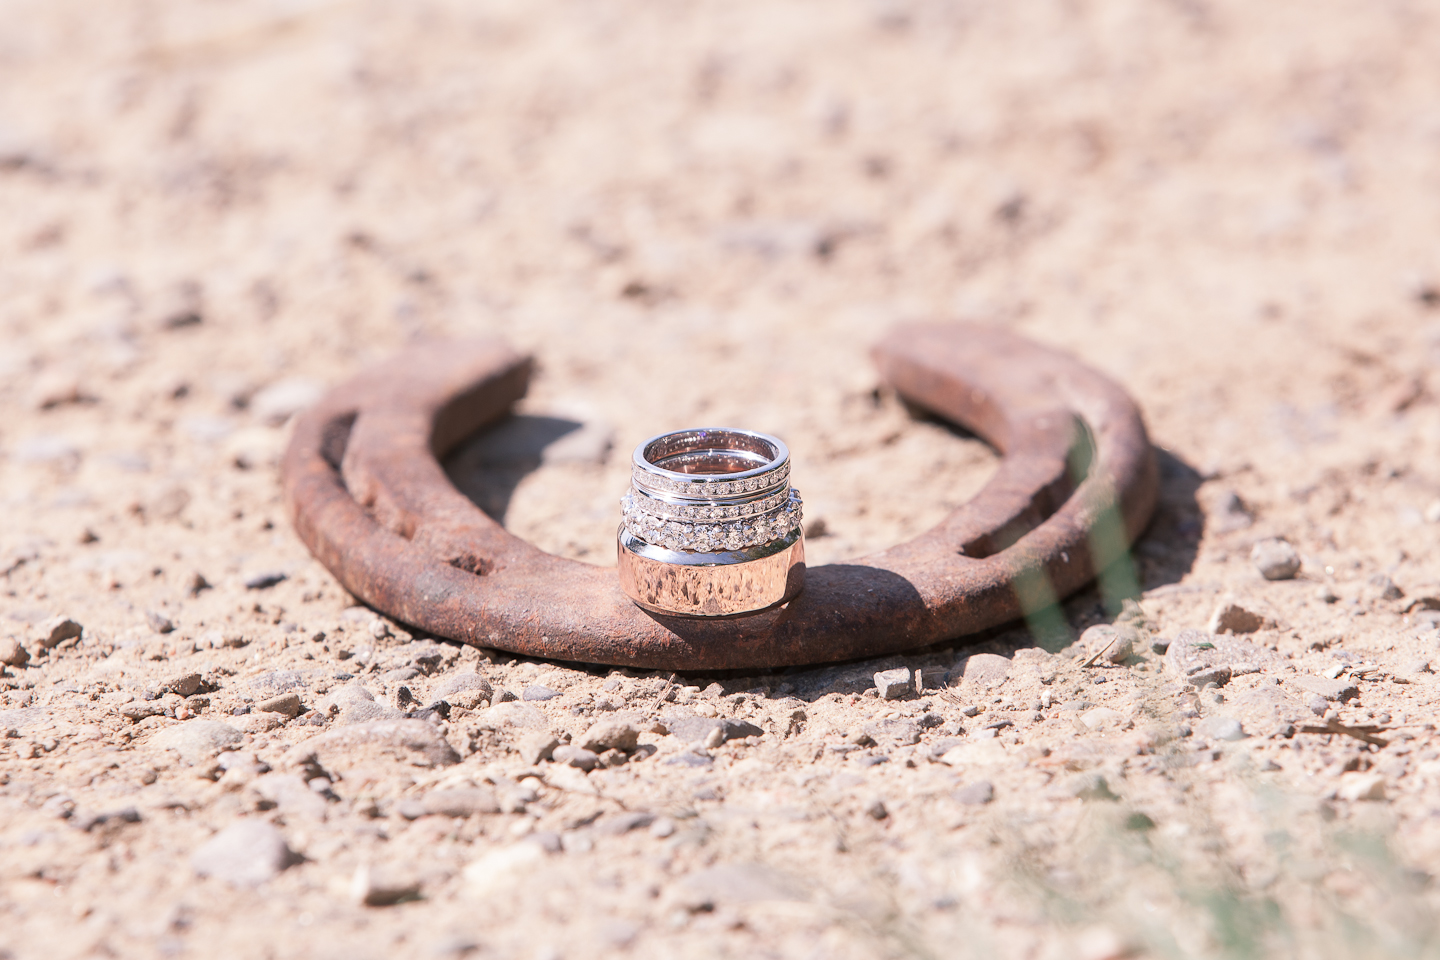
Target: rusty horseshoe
1076, 484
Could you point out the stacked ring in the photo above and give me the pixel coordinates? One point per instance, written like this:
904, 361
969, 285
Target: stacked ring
711, 524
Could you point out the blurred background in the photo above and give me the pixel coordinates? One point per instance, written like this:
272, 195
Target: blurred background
705, 212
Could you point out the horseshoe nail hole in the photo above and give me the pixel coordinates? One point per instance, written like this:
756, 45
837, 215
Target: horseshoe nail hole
472, 564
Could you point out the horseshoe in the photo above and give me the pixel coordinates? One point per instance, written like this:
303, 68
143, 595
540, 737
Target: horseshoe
1076, 484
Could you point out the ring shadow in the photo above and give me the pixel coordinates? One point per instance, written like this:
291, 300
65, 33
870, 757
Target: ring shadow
488, 467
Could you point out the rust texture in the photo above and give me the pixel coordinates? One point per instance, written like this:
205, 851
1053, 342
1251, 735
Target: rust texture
367, 494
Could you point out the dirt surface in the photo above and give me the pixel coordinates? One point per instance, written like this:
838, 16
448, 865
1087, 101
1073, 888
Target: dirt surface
705, 213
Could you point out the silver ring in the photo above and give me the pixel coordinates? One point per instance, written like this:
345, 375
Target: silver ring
711, 524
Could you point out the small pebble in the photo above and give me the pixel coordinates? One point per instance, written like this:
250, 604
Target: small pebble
570, 755
1091, 786
198, 740
245, 854
577, 842
894, 684
1361, 786
611, 735
286, 704
12, 653
1117, 642
537, 746
876, 809
185, 684
1230, 617
265, 580
460, 802
158, 622
1386, 587
465, 690
284, 398
56, 631
1329, 688
539, 693
547, 840
1276, 559
1225, 728
371, 888
975, 794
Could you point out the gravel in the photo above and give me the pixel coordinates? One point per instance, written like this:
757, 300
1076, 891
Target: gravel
539, 694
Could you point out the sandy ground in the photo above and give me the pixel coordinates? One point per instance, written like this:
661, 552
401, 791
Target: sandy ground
705, 213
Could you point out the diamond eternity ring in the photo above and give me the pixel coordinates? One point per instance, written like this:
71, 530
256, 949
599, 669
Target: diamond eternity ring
711, 524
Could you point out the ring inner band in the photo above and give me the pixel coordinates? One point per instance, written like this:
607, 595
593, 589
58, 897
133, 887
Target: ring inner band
710, 452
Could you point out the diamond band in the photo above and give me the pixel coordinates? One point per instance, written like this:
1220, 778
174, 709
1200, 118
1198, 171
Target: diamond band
637, 501
708, 487
714, 537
